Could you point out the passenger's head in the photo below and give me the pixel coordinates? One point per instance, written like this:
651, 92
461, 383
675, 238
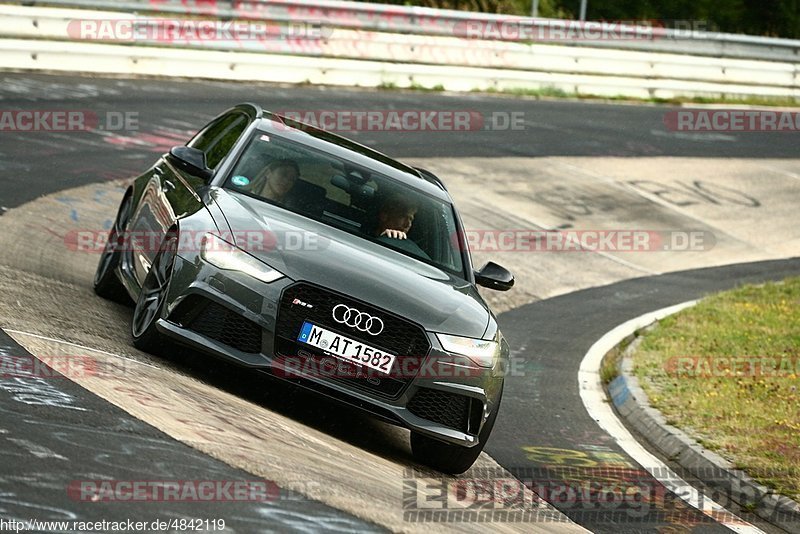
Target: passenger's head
396, 212
280, 176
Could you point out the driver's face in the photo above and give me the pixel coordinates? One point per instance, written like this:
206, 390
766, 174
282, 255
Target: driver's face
400, 220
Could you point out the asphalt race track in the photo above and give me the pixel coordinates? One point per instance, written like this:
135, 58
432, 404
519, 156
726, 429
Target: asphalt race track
556, 333
97, 441
602, 165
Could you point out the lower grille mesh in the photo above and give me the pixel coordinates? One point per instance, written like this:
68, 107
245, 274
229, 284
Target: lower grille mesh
447, 409
228, 327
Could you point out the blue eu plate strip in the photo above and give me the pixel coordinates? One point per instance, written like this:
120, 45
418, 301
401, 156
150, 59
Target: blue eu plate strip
304, 332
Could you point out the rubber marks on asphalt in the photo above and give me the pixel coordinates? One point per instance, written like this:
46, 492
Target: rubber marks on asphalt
260, 441
694, 212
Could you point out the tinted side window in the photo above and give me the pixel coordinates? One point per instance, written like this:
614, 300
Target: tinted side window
217, 139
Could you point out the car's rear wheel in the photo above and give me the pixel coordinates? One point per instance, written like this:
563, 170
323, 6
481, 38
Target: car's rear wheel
449, 458
153, 296
106, 284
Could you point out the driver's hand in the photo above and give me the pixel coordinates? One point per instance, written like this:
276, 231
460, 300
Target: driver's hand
394, 234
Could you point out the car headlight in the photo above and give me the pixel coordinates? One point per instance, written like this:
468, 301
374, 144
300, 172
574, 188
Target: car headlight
222, 254
483, 352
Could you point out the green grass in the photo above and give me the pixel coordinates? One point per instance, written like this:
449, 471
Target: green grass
610, 368
746, 100
554, 92
541, 92
391, 86
726, 372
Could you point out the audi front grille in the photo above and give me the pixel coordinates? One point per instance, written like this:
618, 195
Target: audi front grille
303, 302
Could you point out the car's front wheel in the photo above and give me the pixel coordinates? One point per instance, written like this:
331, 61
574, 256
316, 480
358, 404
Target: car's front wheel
106, 284
449, 458
153, 297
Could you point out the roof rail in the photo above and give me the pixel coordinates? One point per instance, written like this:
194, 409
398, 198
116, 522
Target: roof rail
430, 177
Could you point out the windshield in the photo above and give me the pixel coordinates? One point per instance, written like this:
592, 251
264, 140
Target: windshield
350, 197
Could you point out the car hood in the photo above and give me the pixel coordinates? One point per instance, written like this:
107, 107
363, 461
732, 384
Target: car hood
315, 252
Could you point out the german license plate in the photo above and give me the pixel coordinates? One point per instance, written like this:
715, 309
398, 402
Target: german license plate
345, 348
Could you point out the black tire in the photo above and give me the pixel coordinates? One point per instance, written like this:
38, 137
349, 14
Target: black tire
153, 296
106, 283
449, 458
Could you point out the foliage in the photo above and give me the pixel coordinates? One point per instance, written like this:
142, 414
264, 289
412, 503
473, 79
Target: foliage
774, 18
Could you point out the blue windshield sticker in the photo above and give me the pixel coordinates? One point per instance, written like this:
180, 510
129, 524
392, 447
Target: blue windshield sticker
240, 180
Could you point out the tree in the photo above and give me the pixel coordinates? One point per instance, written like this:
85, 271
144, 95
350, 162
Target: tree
773, 18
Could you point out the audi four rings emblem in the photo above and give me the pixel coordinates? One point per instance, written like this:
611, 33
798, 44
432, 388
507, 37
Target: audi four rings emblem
357, 319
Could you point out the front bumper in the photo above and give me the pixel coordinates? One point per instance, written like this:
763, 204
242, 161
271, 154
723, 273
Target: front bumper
442, 381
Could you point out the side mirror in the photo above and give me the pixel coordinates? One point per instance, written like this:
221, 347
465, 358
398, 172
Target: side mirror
192, 161
494, 277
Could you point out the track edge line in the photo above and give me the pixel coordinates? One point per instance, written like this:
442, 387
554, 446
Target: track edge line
599, 407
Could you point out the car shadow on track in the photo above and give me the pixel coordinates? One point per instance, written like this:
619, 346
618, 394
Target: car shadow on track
284, 398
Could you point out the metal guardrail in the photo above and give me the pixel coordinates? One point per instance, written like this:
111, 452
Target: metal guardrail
428, 21
43, 38
392, 48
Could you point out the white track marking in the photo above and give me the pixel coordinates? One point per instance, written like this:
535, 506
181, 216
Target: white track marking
20, 332
35, 449
594, 400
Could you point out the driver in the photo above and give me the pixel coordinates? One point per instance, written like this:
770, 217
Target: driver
396, 214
